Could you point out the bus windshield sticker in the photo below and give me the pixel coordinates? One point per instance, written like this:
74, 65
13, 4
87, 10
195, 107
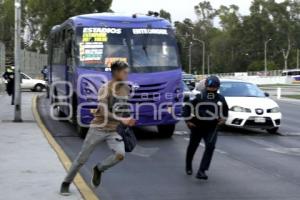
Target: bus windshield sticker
103, 30
109, 61
94, 37
98, 34
150, 31
91, 51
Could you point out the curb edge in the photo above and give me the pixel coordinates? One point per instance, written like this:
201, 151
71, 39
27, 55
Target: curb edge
86, 192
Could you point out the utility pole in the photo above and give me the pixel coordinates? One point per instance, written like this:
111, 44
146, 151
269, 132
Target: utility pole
298, 52
203, 50
190, 57
208, 64
18, 113
203, 53
203, 57
286, 54
266, 56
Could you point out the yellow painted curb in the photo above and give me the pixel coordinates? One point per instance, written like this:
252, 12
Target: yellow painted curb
80, 183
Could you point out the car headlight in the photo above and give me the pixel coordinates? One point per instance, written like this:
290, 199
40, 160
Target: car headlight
240, 109
274, 110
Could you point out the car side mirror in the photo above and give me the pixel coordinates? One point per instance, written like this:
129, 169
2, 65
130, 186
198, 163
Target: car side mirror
267, 94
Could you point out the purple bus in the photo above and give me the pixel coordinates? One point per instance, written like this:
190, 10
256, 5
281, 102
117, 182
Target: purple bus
81, 51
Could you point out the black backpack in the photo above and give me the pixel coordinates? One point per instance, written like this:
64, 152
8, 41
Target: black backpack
128, 137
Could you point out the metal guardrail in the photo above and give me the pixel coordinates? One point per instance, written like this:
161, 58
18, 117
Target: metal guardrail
251, 73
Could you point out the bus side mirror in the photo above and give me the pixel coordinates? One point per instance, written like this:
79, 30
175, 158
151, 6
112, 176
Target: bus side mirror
68, 48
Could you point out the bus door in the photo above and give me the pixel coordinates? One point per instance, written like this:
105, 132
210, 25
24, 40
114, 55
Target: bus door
70, 61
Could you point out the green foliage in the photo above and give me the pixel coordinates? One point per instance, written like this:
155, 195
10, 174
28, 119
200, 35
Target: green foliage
39, 16
7, 27
43, 15
237, 43
165, 14
259, 65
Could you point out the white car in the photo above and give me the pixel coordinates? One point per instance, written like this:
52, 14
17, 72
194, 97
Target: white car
29, 83
249, 106
36, 85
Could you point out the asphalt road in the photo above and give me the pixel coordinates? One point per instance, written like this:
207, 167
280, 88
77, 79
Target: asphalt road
248, 165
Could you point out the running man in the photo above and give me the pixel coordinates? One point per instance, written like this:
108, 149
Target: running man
111, 94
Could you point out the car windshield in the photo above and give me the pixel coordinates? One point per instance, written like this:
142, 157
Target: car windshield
188, 76
185, 87
146, 50
240, 89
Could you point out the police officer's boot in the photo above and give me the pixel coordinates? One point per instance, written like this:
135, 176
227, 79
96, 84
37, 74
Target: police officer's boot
201, 175
189, 170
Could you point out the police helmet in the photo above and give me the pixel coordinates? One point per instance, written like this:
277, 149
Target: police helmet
213, 82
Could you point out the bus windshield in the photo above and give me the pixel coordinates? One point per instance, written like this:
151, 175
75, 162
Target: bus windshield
146, 50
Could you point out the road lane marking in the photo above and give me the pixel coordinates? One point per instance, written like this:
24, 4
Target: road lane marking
276, 148
216, 150
144, 152
288, 151
86, 192
290, 134
180, 133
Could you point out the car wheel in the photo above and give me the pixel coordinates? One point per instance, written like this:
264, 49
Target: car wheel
272, 130
166, 131
39, 88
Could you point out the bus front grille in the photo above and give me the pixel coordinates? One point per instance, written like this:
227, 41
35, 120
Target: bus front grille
149, 93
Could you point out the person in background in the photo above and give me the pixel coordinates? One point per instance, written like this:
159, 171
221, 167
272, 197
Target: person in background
203, 121
45, 73
104, 127
9, 77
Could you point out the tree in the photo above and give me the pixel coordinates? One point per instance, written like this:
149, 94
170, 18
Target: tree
165, 14
7, 28
42, 15
237, 43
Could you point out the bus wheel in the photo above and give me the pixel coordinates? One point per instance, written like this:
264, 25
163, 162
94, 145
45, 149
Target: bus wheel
57, 109
81, 131
166, 131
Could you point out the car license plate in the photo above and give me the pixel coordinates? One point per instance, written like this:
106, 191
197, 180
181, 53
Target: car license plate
260, 120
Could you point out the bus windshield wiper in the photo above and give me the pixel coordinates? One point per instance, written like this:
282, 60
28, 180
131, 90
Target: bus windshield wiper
145, 50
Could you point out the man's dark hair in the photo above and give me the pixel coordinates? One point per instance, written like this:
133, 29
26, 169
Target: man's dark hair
118, 66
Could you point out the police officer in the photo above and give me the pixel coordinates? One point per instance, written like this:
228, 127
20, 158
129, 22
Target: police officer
45, 72
9, 76
203, 115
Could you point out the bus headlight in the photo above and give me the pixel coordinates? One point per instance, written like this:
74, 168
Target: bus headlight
240, 109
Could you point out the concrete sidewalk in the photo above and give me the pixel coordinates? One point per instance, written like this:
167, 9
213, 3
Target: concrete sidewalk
29, 167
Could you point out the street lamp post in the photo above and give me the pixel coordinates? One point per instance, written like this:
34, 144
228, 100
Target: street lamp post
203, 53
18, 114
298, 61
266, 55
208, 64
190, 57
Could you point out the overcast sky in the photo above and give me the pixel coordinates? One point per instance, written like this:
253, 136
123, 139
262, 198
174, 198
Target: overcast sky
180, 9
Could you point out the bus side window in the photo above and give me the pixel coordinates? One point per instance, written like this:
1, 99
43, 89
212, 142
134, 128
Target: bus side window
68, 42
69, 48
